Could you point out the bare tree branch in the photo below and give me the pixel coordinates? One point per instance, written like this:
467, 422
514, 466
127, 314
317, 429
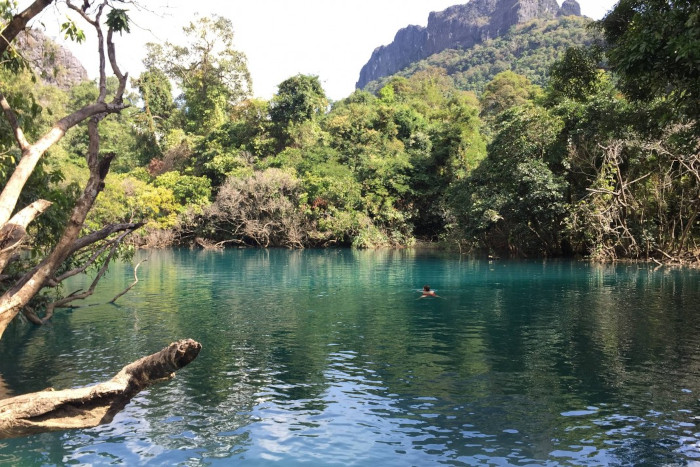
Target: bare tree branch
12, 118
14, 232
81, 296
82, 13
103, 233
111, 53
136, 280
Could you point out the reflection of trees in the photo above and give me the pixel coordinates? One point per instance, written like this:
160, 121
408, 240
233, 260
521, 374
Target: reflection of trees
579, 337
511, 347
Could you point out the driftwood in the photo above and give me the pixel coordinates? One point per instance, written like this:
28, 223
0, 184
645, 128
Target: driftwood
90, 406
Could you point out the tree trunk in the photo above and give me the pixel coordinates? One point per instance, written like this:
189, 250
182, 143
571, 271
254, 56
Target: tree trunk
31, 283
90, 406
19, 295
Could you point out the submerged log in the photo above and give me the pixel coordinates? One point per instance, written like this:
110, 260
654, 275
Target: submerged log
90, 406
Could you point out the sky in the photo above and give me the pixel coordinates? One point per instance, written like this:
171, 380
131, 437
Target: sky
332, 39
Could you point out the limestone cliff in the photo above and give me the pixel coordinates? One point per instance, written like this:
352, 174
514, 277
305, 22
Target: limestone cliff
570, 8
53, 63
457, 27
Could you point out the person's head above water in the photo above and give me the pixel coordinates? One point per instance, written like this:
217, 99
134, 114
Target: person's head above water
427, 292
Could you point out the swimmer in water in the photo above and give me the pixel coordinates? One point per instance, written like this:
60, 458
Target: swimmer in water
428, 293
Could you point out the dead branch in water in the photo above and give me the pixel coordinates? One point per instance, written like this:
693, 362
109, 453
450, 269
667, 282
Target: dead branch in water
90, 406
136, 280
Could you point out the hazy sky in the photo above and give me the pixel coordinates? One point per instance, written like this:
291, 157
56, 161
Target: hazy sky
281, 38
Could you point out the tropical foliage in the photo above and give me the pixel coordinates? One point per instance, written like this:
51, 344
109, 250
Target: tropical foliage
519, 146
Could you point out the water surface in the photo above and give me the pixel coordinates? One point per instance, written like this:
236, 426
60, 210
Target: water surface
330, 358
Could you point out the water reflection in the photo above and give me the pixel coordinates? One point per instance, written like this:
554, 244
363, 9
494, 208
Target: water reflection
327, 357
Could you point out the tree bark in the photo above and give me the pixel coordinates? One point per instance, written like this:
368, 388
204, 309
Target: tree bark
14, 232
90, 406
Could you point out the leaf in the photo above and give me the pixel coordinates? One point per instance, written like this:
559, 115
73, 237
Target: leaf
72, 31
118, 20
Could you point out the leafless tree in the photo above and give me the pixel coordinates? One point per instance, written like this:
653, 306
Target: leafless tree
649, 213
259, 210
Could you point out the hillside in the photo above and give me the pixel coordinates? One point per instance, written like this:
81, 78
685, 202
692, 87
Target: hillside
528, 49
458, 27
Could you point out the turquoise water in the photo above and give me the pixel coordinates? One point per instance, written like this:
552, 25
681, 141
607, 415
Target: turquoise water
330, 358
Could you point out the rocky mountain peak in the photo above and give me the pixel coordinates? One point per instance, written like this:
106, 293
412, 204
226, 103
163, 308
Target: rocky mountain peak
570, 8
457, 27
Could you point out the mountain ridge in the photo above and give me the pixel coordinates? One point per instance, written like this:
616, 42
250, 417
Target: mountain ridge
528, 49
457, 27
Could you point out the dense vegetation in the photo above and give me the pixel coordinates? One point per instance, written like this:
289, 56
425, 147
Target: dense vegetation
583, 162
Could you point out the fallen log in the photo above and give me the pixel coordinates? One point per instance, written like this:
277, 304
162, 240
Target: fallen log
90, 406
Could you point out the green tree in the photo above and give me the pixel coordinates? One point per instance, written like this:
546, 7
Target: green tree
506, 90
456, 149
654, 47
514, 202
212, 75
577, 75
187, 189
236, 146
156, 94
158, 112
118, 132
362, 131
299, 99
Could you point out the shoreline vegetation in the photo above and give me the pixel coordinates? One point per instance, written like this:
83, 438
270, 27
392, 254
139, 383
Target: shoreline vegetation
494, 151
578, 166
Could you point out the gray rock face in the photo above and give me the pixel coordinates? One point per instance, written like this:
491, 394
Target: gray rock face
460, 26
570, 8
53, 63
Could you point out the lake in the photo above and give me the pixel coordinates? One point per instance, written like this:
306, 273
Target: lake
329, 357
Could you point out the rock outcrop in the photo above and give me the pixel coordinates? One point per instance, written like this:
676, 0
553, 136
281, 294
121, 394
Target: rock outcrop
570, 8
53, 63
457, 27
